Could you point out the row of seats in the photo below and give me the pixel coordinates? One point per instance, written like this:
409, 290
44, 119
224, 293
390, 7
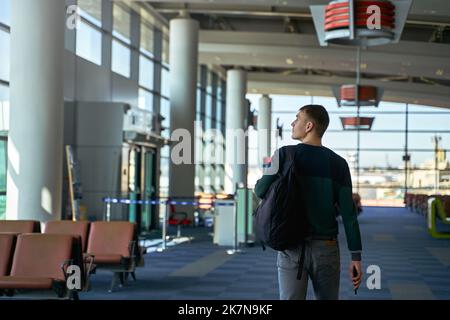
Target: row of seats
419, 202
40, 262
107, 245
439, 209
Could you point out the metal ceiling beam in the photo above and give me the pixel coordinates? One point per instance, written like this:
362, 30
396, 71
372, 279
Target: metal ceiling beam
415, 93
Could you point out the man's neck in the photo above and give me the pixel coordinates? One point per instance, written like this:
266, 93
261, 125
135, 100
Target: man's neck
313, 141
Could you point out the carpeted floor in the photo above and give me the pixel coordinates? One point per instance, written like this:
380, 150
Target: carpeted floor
413, 266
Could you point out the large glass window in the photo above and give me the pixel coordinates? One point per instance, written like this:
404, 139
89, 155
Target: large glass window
165, 83
165, 112
89, 36
4, 127
121, 52
122, 23
146, 72
89, 43
121, 56
5, 12
4, 108
4, 55
91, 10
147, 39
145, 100
3, 168
378, 164
165, 48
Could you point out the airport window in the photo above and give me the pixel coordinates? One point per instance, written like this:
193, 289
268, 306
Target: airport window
3, 169
91, 10
122, 23
145, 100
4, 127
198, 104
121, 56
165, 48
89, 43
121, 52
164, 176
147, 39
5, 12
165, 112
146, 72
4, 108
4, 55
165, 82
209, 149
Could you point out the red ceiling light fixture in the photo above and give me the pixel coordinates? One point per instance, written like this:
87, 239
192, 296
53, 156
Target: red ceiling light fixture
357, 123
346, 95
360, 22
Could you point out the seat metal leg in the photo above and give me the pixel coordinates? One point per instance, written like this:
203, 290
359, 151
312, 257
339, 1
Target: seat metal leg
116, 277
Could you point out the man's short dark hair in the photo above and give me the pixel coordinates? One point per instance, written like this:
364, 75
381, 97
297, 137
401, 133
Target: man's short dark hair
319, 115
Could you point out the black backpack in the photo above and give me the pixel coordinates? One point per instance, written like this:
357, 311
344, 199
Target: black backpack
281, 219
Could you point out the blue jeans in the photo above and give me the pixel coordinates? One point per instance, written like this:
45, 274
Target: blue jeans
321, 265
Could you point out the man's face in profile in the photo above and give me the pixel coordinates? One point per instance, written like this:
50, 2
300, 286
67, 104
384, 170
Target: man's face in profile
299, 126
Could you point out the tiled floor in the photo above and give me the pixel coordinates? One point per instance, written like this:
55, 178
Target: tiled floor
413, 266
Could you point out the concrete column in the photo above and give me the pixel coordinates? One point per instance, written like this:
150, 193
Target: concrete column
236, 130
264, 128
35, 146
183, 78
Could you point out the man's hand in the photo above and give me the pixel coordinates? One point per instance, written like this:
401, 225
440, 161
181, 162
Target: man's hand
355, 279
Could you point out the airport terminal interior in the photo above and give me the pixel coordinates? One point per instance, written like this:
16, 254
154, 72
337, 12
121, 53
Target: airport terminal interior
132, 134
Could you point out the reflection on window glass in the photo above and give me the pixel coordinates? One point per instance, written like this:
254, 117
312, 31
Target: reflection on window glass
146, 67
218, 112
4, 127
208, 109
164, 182
147, 38
122, 23
165, 84
4, 56
89, 43
4, 108
91, 10
165, 51
145, 100
3, 168
121, 56
165, 112
5, 12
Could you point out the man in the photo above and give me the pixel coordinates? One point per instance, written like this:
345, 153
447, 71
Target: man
327, 191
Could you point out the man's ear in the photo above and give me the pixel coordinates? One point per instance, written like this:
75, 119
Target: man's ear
309, 126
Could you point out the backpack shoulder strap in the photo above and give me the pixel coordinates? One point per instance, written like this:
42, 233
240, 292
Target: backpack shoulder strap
288, 155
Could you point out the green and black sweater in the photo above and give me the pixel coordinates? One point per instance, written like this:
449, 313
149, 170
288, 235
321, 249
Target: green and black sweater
328, 192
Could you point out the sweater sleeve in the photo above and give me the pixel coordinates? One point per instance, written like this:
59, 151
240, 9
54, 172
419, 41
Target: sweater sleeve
348, 212
270, 174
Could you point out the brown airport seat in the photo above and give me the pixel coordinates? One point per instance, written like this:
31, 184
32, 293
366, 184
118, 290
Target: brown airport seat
79, 228
446, 201
7, 244
113, 245
20, 226
39, 262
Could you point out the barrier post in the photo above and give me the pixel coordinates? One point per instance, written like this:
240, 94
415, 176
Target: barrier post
108, 211
235, 249
164, 228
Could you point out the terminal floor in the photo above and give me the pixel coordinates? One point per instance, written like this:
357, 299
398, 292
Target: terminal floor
413, 266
